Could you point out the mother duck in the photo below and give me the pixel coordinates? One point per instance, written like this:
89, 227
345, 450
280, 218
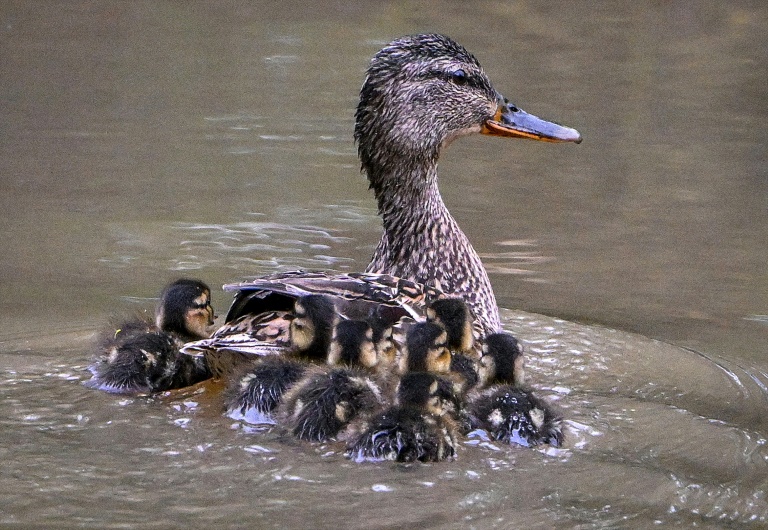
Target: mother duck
420, 93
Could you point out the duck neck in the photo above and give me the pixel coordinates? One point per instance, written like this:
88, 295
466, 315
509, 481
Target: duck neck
423, 242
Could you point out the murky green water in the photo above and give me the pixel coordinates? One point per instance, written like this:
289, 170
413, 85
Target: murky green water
140, 142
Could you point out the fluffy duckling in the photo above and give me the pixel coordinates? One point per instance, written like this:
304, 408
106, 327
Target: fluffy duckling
503, 361
383, 326
418, 428
509, 413
255, 394
454, 315
323, 403
426, 349
140, 357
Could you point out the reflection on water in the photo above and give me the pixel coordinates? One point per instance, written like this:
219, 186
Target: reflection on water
145, 141
525, 262
246, 247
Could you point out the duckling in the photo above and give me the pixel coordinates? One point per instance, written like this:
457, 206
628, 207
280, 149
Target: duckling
255, 393
140, 357
454, 315
420, 93
418, 428
426, 349
503, 361
509, 413
323, 403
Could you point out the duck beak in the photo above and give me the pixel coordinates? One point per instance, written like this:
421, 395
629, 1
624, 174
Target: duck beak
515, 123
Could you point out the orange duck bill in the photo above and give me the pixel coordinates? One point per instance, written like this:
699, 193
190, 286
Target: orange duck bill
515, 123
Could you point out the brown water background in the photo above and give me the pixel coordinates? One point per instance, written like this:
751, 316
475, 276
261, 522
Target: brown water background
140, 141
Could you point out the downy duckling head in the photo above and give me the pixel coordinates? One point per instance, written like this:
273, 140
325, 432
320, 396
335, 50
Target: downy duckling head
502, 360
311, 330
426, 349
425, 391
353, 345
454, 315
185, 309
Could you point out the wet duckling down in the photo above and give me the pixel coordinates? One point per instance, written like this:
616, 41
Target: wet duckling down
325, 401
139, 356
419, 427
508, 412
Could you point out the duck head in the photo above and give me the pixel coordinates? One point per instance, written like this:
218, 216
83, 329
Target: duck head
423, 91
454, 315
426, 349
426, 391
502, 360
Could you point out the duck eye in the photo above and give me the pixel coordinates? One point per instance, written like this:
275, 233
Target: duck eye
459, 77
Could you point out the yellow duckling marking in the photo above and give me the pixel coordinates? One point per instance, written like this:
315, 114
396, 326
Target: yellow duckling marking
496, 418
113, 353
342, 411
537, 417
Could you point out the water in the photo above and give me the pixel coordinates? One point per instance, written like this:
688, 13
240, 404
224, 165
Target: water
145, 141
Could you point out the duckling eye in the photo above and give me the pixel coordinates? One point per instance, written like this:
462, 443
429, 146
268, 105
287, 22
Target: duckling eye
459, 77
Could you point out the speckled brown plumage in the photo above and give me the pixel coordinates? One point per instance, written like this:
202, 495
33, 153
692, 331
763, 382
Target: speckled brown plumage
409, 109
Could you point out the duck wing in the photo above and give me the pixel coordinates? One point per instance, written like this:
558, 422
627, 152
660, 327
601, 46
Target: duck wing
258, 321
357, 294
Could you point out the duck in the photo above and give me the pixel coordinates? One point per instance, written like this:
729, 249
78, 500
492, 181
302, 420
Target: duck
420, 93
254, 394
140, 356
508, 411
426, 351
325, 401
418, 427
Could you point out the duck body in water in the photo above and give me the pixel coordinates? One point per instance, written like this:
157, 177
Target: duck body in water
420, 93
143, 357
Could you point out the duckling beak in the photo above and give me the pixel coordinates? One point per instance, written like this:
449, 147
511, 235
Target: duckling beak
513, 122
